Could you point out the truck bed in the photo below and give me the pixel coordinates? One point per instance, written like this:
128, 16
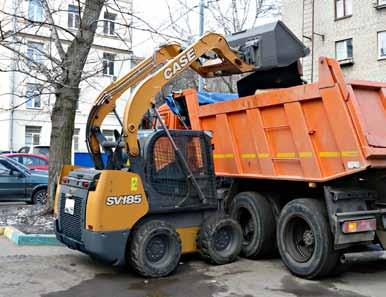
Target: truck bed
313, 132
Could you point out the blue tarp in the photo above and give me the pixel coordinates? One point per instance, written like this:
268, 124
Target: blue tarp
84, 159
203, 98
212, 97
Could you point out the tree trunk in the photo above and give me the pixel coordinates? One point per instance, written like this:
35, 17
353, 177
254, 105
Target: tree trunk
63, 120
67, 95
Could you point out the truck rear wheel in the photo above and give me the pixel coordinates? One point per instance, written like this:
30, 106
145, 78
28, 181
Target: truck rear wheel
255, 216
155, 249
219, 240
304, 239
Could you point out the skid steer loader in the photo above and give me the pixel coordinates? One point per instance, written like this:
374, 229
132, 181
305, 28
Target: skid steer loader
155, 197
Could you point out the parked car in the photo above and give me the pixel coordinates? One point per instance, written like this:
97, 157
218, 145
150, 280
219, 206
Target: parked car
32, 161
36, 149
18, 183
7, 152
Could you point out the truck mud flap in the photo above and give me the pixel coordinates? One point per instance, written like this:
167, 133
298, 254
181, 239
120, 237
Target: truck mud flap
349, 204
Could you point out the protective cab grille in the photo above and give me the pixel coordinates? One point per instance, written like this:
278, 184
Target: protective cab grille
166, 175
71, 225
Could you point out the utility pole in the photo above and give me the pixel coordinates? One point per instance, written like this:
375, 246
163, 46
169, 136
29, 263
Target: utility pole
15, 5
201, 31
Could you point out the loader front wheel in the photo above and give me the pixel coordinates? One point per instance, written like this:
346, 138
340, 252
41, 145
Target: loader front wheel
155, 249
219, 240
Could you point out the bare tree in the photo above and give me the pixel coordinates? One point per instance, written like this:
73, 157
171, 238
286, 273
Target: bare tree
63, 68
236, 16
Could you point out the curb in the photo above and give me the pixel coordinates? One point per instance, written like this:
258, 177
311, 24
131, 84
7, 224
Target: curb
20, 238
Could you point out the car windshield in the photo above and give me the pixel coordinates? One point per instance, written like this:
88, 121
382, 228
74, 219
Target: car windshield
18, 165
41, 150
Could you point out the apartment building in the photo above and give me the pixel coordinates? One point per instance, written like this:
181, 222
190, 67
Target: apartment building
25, 106
352, 31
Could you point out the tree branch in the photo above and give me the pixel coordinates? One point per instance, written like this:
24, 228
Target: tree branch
55, 35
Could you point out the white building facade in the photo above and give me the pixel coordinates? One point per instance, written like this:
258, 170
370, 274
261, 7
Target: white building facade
25, 106
352, 31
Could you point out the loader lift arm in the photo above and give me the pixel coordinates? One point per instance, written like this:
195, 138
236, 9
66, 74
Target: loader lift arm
226, 62
106, 101
174, 61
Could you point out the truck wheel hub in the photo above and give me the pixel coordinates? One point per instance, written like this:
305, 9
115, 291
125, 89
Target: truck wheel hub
308, 238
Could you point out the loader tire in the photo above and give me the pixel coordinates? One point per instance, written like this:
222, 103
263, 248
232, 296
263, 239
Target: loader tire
256, 218
304, 239
155, 249
219, 240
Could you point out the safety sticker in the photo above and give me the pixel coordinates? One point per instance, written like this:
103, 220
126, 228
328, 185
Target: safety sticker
134, 183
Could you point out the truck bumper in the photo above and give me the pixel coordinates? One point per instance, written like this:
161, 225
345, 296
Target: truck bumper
109, 247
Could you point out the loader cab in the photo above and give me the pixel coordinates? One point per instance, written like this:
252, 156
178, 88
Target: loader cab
166, 182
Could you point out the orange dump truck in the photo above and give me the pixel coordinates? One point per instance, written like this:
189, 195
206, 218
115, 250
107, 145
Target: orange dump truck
304, 168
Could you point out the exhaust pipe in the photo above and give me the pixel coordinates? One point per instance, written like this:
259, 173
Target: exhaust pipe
351, 258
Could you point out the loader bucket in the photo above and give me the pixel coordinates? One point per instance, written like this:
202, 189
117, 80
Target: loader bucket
274, 51
268, 46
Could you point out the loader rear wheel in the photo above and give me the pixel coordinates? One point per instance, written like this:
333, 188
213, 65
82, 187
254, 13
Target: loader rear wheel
304, 239
256, 218
155, 249
219, 240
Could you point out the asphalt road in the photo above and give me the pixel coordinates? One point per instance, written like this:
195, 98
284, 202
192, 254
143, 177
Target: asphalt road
60, 272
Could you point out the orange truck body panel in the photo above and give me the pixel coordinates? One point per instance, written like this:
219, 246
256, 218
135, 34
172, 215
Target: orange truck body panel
314, 132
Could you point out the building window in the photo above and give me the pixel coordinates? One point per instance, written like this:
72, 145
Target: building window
343, 8
109, 134
344, 50
35, 10
75, 139
32, 135
382, 45
73, 16
35, 52
33, 96
109, 23
108, 64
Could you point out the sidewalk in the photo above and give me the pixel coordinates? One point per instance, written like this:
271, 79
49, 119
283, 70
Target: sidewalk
24, 225
8, 248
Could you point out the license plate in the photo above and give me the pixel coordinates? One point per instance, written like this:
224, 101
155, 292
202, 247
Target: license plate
69, 206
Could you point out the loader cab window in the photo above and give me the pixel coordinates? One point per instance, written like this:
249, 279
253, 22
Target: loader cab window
165, 172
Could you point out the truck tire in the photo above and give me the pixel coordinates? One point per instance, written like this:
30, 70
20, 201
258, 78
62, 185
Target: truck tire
219, 240
40, 197
304, 239
256, 218
155, 249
